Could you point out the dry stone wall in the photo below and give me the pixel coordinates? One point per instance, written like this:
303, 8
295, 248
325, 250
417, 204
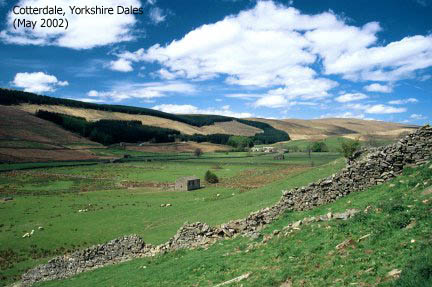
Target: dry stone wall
374, 167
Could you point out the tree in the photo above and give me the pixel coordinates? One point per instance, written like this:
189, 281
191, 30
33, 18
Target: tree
240, 143
198, 152
349, 148
319, 147
210, 177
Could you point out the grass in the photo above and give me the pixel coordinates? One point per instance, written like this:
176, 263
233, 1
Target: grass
397, 215
125, 198
333, 143
32, 165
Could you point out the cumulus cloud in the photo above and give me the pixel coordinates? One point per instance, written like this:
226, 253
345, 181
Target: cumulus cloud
418, 117
397, 60
145, 91
345, 98
190, 109
121, 65
157, 15
236, 49
37, 82
347, 115
84, 31
403, 102
376, 109
87, 100
379, 88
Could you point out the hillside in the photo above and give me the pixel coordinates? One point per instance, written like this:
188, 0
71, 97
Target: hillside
351, 128
24, 137
230, 127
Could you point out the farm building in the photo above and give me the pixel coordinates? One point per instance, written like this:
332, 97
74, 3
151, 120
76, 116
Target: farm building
268, 149
279, 156
187, 183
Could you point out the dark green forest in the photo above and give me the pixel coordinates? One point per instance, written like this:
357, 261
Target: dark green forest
13, 97
109, 132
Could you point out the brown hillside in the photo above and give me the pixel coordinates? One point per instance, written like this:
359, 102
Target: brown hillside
322, 128
233, 127
24, 137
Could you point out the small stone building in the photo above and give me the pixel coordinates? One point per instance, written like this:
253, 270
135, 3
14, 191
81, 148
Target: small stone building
187, 183
279, 156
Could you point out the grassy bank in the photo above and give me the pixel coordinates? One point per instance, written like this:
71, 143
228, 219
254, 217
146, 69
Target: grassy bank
391, 233
125, 198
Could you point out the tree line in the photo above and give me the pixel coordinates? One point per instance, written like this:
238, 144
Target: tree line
268, 136
109, 132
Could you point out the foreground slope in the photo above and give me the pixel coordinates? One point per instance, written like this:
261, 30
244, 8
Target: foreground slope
389, 237
24, 137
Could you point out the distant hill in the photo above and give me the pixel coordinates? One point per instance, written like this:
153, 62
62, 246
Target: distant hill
25, 138
351, 128
200, 127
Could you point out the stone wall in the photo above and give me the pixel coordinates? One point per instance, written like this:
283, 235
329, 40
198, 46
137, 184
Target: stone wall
372, 168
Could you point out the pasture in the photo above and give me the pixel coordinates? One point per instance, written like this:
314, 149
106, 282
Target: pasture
388, 243
73, 207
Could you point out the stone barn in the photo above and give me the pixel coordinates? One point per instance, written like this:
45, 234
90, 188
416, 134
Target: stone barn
187, 183
279, 156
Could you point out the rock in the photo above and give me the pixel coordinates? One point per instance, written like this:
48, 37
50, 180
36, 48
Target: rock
296, 224
40, 228
287, 283
26, 235
276, 232
363, 237
8, 199
394, 273
344, 244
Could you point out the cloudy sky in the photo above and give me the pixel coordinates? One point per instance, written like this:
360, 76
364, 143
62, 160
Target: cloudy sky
276, 59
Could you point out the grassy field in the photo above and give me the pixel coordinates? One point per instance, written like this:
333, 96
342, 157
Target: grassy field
333, 143
125, 198
395, 223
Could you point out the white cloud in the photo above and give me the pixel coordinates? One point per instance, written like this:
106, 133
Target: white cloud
345, 98
418, 117
145, 91
37, 82
244, 96
84, 31
121, 65
347, 115
236, 49
403, 102
87, 100
379, 88
425, 78
393, 62
157, 15
190, 109
272, 101
376, 109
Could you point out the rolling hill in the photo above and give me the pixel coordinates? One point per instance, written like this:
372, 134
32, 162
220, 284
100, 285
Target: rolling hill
351, 128
24, 137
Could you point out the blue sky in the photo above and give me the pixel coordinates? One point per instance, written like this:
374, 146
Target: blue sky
275, 59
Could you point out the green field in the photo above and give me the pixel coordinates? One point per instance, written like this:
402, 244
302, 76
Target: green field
125, 198
333, 143
391, 232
